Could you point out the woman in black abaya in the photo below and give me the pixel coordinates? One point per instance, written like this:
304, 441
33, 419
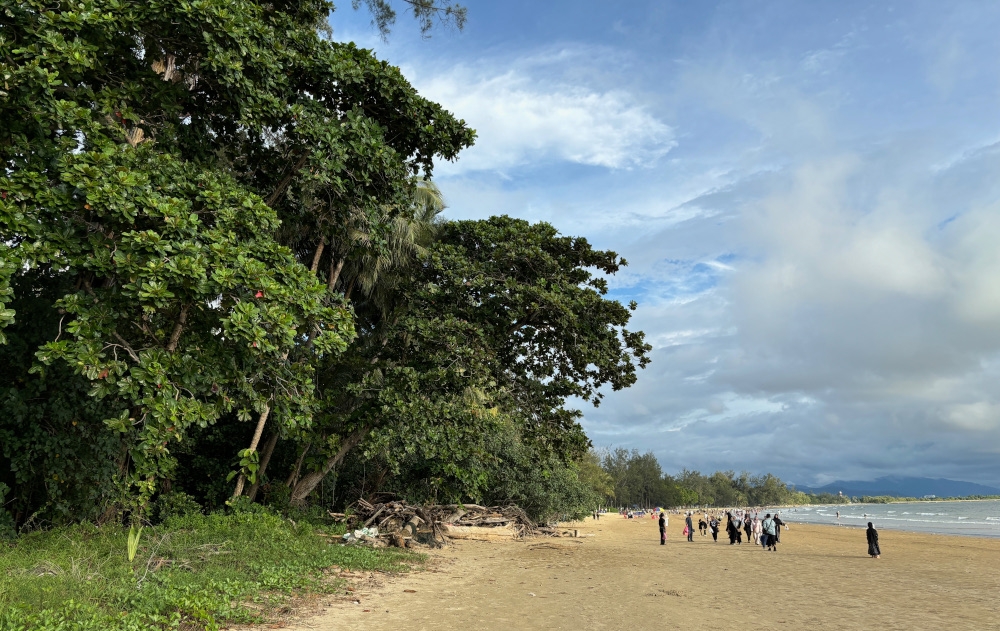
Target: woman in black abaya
873, 549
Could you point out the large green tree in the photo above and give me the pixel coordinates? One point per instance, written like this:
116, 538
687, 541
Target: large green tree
499, 314
179, 168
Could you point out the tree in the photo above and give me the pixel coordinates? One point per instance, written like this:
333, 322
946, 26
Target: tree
595, 477
500, 312
181, 166
426, 13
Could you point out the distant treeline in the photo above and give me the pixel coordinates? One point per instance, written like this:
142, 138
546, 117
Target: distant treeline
636, 479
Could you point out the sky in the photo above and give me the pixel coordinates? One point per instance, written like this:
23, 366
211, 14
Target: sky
807, 195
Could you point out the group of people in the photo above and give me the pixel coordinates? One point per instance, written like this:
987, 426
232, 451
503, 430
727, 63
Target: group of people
764, 532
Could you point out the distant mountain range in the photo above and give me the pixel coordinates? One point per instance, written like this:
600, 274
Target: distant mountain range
898, 486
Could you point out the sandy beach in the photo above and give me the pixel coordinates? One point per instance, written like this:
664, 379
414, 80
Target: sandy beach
620, 577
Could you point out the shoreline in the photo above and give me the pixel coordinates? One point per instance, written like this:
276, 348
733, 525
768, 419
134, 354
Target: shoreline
882, 522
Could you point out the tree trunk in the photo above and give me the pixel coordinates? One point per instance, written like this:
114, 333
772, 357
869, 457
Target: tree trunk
175, 337
331, 279
308, 483
265, 457
253, 446
316, 257
293, 477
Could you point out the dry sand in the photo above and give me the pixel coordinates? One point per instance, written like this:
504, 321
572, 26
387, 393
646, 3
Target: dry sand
621, 578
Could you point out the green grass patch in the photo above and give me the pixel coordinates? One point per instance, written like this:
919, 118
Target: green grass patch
191, 572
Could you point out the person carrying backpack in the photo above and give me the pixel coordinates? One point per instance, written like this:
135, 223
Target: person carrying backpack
769, 539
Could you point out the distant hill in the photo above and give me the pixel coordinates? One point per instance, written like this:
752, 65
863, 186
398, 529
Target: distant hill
898, 486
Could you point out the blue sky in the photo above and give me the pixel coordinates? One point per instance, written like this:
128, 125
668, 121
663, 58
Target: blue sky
807, 194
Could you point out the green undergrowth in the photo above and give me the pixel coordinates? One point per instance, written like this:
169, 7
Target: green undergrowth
191, 572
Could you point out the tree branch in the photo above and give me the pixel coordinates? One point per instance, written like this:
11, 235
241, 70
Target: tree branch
308, 483
283, 184
175, 337
126, 346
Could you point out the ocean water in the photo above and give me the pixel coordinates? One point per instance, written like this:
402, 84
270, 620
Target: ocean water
973, 518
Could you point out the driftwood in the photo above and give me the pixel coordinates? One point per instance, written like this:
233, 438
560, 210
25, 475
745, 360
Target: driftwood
398, 522
480, 533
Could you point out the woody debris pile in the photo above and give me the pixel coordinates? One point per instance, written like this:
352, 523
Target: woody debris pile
406, 525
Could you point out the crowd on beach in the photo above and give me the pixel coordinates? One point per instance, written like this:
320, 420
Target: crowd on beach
763, 531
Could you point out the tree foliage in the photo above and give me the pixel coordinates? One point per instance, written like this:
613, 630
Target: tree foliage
222, 259
637, 480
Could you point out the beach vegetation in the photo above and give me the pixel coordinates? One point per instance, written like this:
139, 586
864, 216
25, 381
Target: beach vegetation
189, 572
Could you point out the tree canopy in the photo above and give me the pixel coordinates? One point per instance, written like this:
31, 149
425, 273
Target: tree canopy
223, 272
636, 479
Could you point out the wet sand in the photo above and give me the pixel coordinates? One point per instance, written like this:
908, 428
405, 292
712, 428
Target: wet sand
820, 578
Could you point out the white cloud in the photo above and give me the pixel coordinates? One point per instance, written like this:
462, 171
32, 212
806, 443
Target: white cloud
981, 416
523, 119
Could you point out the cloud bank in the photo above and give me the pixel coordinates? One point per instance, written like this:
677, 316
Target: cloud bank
524, 120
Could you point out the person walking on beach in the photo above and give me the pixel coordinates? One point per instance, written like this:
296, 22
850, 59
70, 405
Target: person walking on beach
768, 529
756, 529
873, 549
713, 524
689, 526
777, 528
747, 527
663, 528
738, 529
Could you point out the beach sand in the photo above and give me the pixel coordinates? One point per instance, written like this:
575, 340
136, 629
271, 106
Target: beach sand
619, 578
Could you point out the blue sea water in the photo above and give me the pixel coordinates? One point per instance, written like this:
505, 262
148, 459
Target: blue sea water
972, 518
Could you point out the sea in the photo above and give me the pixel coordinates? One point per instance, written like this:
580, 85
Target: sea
974, 518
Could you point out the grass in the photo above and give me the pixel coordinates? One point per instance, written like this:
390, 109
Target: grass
192, 572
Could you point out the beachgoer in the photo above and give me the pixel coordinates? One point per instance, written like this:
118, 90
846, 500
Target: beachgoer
730, 530
702, 527
747, 527
756, 530
768, 527
663, 528
713, 523
777, 528
689, 526
873, 549
738, 529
